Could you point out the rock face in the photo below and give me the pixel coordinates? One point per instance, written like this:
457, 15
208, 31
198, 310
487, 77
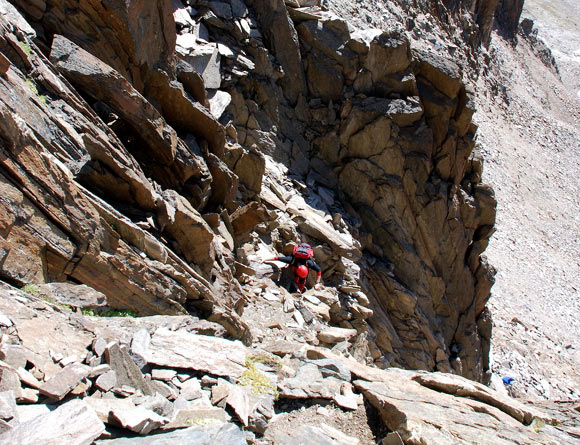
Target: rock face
124, 169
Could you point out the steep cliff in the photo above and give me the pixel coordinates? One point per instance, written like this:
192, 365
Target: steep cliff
129, 183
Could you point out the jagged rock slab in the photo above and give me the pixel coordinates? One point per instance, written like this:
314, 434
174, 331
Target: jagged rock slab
227, 434
58, 334
315, 225
65, 381
75, 295
422, 415
126, 370
75, 421
8, 410
181, 349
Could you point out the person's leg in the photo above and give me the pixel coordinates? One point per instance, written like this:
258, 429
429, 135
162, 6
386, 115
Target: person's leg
293, 288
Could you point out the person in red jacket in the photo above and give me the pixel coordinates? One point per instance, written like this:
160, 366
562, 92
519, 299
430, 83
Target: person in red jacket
301, 262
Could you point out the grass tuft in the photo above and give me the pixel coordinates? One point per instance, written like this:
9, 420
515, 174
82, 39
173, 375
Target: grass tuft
109, 313
259, 381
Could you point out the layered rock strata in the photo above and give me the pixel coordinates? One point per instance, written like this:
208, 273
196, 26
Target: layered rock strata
145, 186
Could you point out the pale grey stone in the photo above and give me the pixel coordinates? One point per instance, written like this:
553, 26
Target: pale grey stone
74, 420
335, 335
218, 102
106, 381
181, 349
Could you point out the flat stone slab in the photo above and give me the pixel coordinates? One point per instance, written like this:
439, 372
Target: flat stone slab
227, 434
73, 422
181, 349
65, 381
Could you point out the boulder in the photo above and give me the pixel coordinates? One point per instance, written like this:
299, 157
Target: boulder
411, 409
389, 53
184, 114
309, 383
75, 295
124, 414
203, 59
188, 228
321, 434
336, 335
248, 217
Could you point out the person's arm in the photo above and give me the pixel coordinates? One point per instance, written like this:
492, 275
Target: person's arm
282, 259
315, 267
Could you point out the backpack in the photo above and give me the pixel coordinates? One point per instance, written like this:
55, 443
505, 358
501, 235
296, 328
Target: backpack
303, 251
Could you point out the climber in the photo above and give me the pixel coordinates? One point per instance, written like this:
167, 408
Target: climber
301, 262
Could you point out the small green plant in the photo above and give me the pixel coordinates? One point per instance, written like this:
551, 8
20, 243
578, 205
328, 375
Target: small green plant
538, 424
259, 381
26, 47
31, 289
109, 313
34, 89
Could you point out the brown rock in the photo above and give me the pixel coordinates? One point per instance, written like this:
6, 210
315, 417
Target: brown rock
128, 37
281, 38
389, 53
248, 217
185, 225
181, 349
65, 381
105, 84
335, 335
185, 115
126, 371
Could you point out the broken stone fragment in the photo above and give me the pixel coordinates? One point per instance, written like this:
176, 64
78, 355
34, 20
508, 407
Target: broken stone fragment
334, 335
75, 420
123, 413
190, 390
321, 434
28, 379
106, 381
309, 383
65, 381
75, 295
138, 419
8, 411
163, 374
127, 372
